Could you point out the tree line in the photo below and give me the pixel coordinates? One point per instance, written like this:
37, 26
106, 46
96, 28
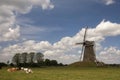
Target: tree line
32, 59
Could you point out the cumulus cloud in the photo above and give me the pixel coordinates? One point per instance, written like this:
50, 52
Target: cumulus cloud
29, 46
9, 29
10, 34
110, 55
107, 28
66, 51
26, 46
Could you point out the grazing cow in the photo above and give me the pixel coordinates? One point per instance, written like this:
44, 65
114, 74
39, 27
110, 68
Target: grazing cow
27, 70
12, 69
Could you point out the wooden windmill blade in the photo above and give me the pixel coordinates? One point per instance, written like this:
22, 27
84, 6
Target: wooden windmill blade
82, 52
78, 43
83, 45
85, 34
84, 38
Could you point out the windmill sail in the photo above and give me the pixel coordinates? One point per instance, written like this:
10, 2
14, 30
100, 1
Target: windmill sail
82, 52
85, 34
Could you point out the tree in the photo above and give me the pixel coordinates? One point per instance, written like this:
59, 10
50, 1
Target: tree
2, 64
47, 62
53, 62
39, 57
16, 59
60, 64
24, 57
8, 62
11, 64
31, 57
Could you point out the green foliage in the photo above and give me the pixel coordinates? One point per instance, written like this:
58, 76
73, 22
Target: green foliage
16, 59
31, 57
32, 60
28, 59
53, 62
47, 62
24, 57
2, 64
39, 57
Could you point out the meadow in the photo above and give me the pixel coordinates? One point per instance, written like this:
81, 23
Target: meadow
64, 73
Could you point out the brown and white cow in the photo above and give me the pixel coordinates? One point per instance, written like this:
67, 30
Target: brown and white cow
12, 69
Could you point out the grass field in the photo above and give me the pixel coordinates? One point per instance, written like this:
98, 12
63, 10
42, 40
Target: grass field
63, 73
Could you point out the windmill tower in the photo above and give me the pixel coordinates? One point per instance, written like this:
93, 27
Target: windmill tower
87, 53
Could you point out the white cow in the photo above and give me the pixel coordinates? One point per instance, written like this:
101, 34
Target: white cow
27, 70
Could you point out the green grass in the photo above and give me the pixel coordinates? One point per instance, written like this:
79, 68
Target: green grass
63, 73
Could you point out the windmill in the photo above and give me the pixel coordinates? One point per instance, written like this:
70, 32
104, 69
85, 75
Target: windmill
87, 52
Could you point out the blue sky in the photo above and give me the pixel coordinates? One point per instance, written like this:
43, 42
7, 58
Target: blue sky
53, 26
70, 16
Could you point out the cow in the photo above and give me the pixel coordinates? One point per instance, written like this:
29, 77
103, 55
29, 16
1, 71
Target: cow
27, 70
13, 69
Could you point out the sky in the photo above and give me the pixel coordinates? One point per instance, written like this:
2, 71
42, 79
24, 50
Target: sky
54, 26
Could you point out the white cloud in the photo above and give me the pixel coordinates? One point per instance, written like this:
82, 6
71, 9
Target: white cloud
28, 46
24, 6
7, 20
107, 28
9, 29
68, 58
106, 2
27, 30
65, 50
45, 4
109, 2
110, 55
11, 34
